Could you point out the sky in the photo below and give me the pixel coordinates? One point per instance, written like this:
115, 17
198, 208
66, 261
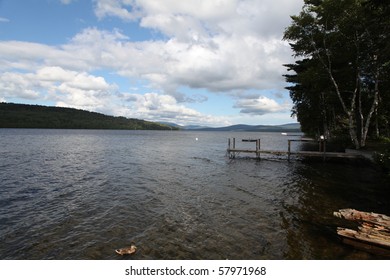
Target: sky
190, 62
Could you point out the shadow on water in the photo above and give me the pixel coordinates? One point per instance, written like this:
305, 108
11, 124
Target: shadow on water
324, 188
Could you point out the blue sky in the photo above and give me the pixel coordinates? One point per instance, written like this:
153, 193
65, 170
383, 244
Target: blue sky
194, 62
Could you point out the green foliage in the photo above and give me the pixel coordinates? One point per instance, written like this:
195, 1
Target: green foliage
34, 116
314, 105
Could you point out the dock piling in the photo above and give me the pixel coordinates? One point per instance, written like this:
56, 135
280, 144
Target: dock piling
289, 149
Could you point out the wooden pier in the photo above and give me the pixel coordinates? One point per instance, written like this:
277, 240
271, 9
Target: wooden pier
233, 151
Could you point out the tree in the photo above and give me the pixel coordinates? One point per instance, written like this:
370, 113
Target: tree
311, 94
378, 12
343, 40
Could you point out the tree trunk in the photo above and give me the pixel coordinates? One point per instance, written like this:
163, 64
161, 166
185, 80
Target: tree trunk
377, 134
349, 112
372, 109
324, 117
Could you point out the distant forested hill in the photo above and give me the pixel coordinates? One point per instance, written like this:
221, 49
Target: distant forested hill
35, 116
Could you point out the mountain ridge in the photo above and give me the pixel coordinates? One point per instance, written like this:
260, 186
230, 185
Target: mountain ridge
290, 127
14, 115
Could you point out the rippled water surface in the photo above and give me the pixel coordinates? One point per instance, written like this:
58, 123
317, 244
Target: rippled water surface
78, 194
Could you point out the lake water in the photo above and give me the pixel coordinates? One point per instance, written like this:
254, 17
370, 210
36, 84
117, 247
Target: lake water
81, 194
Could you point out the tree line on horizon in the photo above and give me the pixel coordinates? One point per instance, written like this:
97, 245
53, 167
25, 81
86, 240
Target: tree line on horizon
340, 81
36, 116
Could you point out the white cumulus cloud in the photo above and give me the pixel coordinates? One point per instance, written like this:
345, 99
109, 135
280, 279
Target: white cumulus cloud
154, 106
217, 45
65, 87
260, 106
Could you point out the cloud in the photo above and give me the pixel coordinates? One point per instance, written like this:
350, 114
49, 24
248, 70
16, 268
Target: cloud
77, 89
55, 74
217, 45
84, 91
18, 85
18, 55
153, 106
4, 19
204, 17
66, 88
223, 47
114, 8
67, 2
260, 106
228, 63
208, 45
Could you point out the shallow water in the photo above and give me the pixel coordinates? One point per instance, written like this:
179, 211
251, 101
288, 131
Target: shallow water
81, 194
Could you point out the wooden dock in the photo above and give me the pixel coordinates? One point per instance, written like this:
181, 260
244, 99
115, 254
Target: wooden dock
233, 151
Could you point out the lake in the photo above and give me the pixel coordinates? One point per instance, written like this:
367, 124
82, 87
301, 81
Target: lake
81, 194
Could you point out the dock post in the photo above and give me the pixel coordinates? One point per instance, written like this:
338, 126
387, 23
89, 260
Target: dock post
289, 149
231, 149
234, 147
228, 149
258, 149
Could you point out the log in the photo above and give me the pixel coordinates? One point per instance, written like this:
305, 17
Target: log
368, 217
373, 228
367, 247
370, 238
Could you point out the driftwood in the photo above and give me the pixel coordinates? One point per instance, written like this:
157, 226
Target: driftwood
367, 247
373, 218
373, 229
